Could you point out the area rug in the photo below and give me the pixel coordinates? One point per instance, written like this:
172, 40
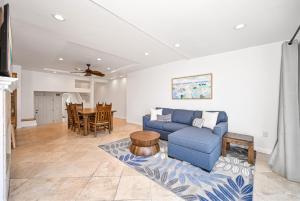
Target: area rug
230, 179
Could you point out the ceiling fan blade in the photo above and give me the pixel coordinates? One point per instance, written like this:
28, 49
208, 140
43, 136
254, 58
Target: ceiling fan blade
78, 72
98, 73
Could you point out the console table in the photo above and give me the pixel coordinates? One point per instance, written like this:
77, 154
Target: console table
240, 139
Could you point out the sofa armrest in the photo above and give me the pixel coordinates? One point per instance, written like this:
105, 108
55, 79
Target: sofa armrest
146, 118
221, 128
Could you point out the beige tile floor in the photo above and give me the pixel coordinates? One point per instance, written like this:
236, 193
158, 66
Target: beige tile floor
269, 186
51, 163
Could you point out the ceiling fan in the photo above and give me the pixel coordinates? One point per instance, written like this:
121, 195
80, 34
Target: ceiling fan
89, 72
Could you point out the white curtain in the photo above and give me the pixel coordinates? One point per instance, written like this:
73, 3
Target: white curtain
285, 158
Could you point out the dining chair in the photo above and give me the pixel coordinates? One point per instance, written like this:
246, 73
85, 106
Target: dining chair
79, 106
78, 123
69, 113
102, 119
110, 104
99, 104
92, 118
72, 117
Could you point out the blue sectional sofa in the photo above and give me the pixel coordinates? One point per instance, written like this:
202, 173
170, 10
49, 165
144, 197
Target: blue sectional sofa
198, 146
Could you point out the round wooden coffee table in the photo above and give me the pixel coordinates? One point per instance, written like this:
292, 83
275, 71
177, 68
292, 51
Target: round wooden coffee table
144, 143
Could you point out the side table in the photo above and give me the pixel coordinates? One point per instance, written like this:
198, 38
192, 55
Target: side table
240, 139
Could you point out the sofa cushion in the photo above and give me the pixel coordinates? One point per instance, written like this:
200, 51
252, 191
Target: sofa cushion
200, 139
183, 116
166, 111
222, 117
155, 124
171, 126
197, 114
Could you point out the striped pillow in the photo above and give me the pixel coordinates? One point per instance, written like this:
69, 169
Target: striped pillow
197, 122
164, 118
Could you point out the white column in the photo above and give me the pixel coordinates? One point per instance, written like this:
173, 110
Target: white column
92, 92
7, 85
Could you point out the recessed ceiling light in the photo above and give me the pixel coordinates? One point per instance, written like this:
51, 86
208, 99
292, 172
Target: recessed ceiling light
146, 53
177, 45
58, 17
121, 76
60, 59
54, 71
77, 68
239, 26
113, 71
108, 68
99, 59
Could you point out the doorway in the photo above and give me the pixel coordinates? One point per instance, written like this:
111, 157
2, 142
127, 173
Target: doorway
48, 107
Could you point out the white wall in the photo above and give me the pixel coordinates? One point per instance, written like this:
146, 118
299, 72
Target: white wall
113, 92
245, 85
41, 81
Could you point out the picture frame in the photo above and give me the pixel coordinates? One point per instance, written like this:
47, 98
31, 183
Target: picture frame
193, 87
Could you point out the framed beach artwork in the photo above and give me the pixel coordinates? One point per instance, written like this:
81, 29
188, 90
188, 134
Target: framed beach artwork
192, 87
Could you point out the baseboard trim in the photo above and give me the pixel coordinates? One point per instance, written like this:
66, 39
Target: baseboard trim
263, 150
132, 122
119, 117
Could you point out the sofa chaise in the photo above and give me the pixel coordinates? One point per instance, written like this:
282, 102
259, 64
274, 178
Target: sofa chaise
198, 146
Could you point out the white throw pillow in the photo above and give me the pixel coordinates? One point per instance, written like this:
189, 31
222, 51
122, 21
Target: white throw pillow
210, 119
154, 113
197, 122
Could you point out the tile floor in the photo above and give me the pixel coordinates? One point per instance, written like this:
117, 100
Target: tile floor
51, 163
269, 186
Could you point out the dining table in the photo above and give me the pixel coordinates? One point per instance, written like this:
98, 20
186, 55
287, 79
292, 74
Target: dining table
88, 112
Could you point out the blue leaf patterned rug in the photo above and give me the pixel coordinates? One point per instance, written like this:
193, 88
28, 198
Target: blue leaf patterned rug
230, 179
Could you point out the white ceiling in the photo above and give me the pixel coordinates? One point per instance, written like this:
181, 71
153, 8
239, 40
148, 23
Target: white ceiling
120, 31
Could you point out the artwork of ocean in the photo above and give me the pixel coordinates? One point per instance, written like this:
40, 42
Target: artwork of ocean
195, 87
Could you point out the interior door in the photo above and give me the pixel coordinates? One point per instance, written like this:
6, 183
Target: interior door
43, 108
48, 107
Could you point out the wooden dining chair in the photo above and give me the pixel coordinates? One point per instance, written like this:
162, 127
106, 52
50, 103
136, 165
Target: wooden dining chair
110, 104
72, 117
79, 106
99, 104
69, 113
102, 119
109, 107
78, 123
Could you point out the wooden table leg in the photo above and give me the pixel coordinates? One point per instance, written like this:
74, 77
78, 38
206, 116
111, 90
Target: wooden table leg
13, 137
112, 121
251, 153
227, 146
85, 120
224, 148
